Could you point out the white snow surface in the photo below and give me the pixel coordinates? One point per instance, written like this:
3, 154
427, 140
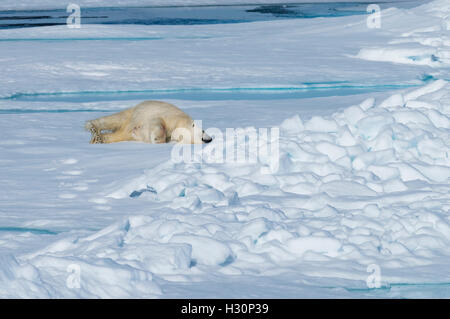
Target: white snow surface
363, 180
420, 45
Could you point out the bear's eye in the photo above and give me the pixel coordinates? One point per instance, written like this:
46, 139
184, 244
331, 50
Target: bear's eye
193, 124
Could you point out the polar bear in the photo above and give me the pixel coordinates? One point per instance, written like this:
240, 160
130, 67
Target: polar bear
149, 122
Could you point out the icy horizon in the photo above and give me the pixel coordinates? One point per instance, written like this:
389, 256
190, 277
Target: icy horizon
53, 4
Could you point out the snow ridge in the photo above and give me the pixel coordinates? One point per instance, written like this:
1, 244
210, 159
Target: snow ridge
368, 185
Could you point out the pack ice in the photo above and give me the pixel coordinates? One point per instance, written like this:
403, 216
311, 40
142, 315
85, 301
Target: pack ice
359, 206
366, 186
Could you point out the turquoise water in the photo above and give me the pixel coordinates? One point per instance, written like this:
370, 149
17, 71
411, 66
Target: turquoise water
35, 231
426, 289
189, 15
305, 90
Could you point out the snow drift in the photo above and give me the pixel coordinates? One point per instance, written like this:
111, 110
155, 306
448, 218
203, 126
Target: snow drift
368, 185
364, 188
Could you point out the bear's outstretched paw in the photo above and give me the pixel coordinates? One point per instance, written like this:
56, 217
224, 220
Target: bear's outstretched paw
97, 137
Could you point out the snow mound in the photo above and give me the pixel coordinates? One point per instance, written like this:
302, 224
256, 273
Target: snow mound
368, 185
97, 266
428, 44
362, 185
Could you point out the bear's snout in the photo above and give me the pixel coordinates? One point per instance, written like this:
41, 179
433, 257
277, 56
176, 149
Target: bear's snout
206, 138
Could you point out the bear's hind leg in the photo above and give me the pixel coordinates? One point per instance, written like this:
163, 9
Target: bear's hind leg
114, 137
152, 132
111, 124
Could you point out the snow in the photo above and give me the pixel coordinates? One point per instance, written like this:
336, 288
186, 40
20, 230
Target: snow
362, 179
420, 46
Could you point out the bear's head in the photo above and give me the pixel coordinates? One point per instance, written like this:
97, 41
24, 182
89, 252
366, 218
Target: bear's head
190, 132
